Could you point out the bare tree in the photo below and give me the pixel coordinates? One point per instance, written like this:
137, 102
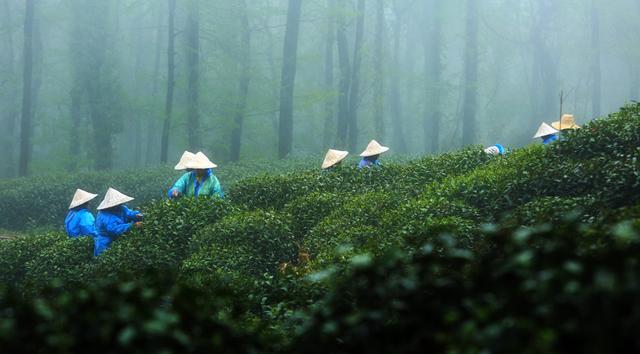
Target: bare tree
27, 94
433, 70
330, 104
345, 77
470, 74
289, 65
166, 127
378, 63
193, 86
395, 101
9, 115
596, 71
245, 79
354, 94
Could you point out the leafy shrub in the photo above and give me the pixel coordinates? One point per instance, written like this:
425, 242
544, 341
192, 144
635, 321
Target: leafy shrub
247, 242
309, 210
537, 291
356, 223
66, 259
15, 253
43, 200
553, 209
126, 316
163, 242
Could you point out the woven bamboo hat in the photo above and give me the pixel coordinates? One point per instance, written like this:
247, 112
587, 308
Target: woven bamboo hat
200, 161
544, 130
566, 122
113, 198
333, 157
184, 160
81, 197
374, 148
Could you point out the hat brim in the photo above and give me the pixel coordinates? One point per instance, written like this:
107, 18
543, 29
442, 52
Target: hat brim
379, 151
328, 163
556, 125
77, 203
114, 203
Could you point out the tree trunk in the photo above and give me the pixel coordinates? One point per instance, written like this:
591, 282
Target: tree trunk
289, 64
193, 61
378, 63
595, 61
470, 74
151, 124
8, 118
354, 95
27, 94
544, 68
245, 77
330, 104
345, 79
396, 105
433, 69
166, 127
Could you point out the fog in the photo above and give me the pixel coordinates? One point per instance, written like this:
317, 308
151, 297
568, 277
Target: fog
115, 84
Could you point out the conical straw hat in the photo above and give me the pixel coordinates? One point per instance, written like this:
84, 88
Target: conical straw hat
333, 157
544, 130
200, 161
81, 197
374, 148
113, 198
566, 122
186, 157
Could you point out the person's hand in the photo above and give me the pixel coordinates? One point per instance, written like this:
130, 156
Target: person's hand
137, 224
175, 193
140, 216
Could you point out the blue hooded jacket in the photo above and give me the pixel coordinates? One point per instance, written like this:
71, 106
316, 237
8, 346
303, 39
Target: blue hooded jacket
367, 163
112, 223
80, 222
546, 140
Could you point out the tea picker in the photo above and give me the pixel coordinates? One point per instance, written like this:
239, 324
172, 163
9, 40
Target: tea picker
114, 219
199, 179
333, 159
80, 221
547, 133
371, 155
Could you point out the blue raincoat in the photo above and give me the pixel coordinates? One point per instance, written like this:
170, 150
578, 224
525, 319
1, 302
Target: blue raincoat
364, 163
188, 185
546, 140
80, 222
112, 223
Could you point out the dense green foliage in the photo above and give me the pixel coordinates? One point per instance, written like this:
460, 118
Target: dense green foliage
532, 252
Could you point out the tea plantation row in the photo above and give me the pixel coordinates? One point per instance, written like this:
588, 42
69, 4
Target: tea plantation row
535, 252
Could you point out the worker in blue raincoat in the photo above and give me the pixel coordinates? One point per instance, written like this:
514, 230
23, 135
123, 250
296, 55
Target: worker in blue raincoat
547, 133
371, 155
496, 149
199, 179
80, 221
114, 219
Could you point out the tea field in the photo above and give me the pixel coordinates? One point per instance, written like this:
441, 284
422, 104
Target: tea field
534, 252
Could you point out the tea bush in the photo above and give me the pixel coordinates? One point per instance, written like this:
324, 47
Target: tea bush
308, 210
356, 223
43, 200
66, 259
163, 242
253, 243
516, 298
16, 253
123, 316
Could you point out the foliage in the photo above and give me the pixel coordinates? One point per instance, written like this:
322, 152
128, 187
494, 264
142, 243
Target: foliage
125, 316
163, 242
532, 293
531, 252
